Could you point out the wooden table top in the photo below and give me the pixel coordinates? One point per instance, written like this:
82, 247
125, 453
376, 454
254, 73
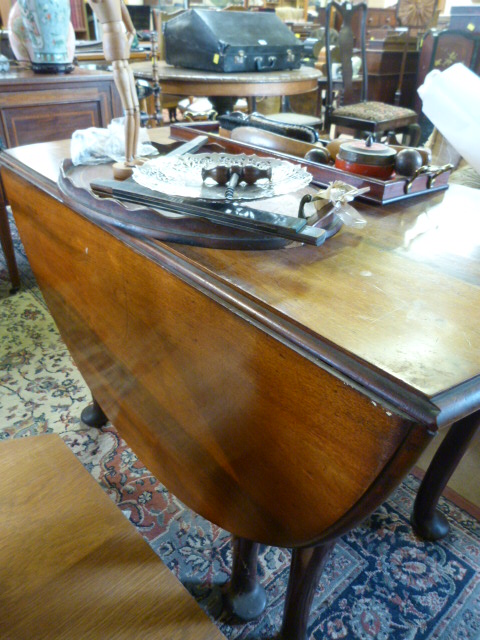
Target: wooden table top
190, 81
395, 302
401, 294
20, 75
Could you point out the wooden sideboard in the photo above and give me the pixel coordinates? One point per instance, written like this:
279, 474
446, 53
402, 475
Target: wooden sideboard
384, 69
42, 107
379, 18
376, 19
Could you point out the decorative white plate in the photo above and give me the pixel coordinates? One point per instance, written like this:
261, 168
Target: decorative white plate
182, 176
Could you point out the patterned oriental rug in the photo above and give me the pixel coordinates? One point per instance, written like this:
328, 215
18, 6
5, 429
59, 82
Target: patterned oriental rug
381, 583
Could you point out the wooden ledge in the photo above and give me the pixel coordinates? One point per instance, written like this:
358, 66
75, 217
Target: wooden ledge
72, 566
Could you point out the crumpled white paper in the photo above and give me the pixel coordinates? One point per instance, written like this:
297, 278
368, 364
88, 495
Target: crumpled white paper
97, 146
339, 194
450, 100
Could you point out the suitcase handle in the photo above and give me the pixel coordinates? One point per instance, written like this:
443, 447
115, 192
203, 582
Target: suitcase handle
259, 66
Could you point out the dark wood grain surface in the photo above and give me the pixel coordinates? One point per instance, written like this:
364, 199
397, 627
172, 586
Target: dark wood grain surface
411, 277
400, 294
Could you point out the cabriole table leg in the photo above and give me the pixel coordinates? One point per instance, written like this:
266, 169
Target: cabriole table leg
427, 521
244, 595
305, 571
7, 244
93, 415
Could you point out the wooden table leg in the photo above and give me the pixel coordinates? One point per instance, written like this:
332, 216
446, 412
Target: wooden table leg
93, 415
427, 521
244, 596
7, 243
223, 104
305, 571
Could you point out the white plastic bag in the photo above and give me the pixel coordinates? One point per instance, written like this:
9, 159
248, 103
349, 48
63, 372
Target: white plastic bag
451, 100
96, 146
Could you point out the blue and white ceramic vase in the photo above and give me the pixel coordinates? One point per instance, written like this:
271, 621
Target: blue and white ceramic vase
47, 25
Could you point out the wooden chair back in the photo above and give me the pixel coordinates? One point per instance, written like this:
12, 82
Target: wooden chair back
347, 12
441, 49
159, 18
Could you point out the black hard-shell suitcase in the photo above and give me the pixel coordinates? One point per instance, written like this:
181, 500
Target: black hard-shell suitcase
231, 41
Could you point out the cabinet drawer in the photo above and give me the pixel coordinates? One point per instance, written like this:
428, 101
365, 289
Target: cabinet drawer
41, 109
28, 125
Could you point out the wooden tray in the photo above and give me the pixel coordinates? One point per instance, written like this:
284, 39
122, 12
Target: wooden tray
74, 183
381, 191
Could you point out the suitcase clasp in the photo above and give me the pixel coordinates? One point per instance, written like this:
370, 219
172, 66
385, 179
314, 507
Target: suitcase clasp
240, 57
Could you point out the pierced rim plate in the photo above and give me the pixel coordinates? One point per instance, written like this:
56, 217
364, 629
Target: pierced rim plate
182, 176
